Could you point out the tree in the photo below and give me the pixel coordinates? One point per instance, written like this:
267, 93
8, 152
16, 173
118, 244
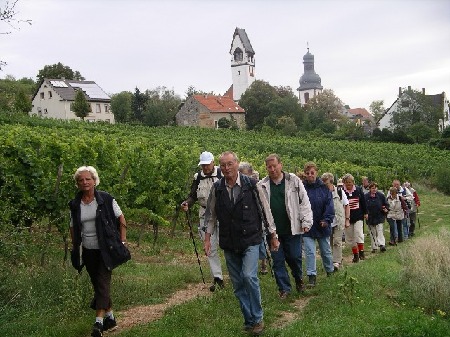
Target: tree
8, 14
22, 102
421, 133
80, 106
377, 109
414, 107
191, 91
59, 70
255, 102
138, 105
10, 88
121, 107
161, 107
325, 106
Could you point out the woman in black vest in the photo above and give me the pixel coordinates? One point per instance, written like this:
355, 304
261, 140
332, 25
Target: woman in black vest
98, 232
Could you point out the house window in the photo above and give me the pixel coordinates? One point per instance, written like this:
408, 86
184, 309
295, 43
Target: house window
238, 55
42, 95
39, 110
49, 94
216, 124
306, 97
250, 68
45, 111
106, 108
97, 108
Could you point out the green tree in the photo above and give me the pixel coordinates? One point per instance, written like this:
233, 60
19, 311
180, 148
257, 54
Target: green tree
255, 102
414, 107
161, 107
422, 133
377, 109
10, 88
121, 107
191, 91
58, 70
138, 105
22, 102
81, 106
325, 106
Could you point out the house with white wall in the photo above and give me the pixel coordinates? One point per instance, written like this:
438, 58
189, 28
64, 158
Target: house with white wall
439, 100
54, 97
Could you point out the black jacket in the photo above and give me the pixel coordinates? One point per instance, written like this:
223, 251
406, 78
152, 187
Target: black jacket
240, 223
113, 251
375, 208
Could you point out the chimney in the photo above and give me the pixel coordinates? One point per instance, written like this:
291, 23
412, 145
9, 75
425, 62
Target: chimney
423, 91
399, 91
409, 88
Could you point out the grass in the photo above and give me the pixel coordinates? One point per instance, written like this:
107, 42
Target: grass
377, 297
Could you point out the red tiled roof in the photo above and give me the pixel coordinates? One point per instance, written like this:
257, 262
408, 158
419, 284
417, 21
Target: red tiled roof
229, 92
219, 103
360, 111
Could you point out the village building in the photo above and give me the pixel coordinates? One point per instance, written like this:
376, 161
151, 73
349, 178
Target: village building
310, 82
206, 111
360, 117
439, 100
54, 98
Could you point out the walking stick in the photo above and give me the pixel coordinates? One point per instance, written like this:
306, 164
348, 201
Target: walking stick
188, 218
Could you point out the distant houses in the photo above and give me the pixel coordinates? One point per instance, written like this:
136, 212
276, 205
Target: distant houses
54, 97
206, 111
439, 100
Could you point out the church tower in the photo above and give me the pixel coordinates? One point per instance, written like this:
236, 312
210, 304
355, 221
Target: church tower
242, 63
310, 82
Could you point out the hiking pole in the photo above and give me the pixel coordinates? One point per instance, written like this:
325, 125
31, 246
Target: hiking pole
266, 228
188, 218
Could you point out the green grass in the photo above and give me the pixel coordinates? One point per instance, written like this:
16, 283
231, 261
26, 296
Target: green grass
370, 298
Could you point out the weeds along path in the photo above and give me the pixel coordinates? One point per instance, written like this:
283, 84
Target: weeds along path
149, 313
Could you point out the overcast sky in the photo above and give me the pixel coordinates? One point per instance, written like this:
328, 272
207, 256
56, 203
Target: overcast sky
364, 50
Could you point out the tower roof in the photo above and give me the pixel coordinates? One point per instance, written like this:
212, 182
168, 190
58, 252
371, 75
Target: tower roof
245, 40
309, 79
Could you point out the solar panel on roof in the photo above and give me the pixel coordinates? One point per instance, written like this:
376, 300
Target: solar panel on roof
59, 84
91, 89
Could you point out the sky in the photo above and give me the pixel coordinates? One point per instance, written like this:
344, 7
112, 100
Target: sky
364, 50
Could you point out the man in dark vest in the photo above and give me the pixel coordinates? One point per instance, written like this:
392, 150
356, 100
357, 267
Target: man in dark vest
239, 206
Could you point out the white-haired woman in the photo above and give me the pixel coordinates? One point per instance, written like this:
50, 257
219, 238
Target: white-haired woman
98, 229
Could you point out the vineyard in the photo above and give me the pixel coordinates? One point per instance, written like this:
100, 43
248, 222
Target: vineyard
150, 168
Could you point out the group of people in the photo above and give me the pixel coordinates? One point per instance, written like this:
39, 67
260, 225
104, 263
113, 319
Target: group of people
287, 214
277, 217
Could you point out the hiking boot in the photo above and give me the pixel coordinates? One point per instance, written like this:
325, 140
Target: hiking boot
382, 249
299, 285
283, 295
109, 324
311, 281
355, 258
336, 266
258, 329
97, 330
218, 282
361, 255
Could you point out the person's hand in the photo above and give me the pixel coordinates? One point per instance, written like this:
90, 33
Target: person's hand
306, 229
184, 206
347, 223
366, 216
274, 243
207, 247
323, 224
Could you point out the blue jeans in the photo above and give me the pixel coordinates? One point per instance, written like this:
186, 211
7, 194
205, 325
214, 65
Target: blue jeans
243, 271
325, 253
290, 252
405, 224
395, 229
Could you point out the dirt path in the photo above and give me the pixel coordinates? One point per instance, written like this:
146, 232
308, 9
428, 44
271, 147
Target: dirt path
149, 313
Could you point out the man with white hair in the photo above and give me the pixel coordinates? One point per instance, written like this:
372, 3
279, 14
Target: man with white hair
200, 188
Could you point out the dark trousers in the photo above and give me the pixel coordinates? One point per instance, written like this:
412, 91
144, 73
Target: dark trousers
100, 278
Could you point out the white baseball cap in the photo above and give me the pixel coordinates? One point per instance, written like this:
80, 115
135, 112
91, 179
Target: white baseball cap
206, 158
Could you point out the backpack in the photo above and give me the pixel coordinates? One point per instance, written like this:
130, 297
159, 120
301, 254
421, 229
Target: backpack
201, 177
407, 202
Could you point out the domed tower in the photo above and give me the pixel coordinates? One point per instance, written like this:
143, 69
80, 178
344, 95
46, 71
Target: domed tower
310, 82
242, 63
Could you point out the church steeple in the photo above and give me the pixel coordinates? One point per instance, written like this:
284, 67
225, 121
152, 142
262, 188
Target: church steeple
310, 82
242, 63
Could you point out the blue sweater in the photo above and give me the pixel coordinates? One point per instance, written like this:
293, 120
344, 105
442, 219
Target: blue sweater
322, 207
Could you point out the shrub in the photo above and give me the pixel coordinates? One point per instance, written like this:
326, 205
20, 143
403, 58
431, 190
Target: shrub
427, 272
440, 178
